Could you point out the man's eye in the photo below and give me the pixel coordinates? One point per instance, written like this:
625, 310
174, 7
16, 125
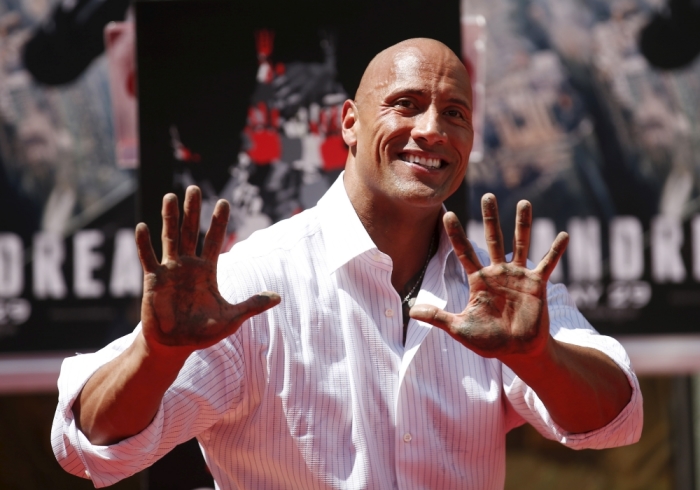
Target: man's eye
405, 103
455, 113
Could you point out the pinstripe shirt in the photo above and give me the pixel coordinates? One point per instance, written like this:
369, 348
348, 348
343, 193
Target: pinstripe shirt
320, 392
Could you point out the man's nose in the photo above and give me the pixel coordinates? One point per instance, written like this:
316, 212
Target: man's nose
428, 127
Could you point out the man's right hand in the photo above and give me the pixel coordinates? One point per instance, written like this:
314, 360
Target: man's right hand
182, 311
181, 307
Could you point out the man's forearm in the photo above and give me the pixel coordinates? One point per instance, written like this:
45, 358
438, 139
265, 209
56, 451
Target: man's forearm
582, 388
123, 396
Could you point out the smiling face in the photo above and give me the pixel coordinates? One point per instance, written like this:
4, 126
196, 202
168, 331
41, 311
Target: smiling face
409, 129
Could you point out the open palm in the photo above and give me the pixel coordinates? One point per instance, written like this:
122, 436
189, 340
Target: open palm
181, 304
507, 309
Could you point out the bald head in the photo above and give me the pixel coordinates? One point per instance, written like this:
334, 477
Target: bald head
408, 55
409, 129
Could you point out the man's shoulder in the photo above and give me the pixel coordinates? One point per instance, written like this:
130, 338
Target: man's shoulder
278, 239
273, 259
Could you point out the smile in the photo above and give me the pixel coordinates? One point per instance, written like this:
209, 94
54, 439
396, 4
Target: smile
426, 162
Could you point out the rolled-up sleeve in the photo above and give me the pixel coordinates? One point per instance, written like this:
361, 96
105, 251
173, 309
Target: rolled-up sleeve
210, 383
568, 325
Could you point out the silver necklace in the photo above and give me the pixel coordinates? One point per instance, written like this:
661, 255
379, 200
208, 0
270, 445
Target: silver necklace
408, 299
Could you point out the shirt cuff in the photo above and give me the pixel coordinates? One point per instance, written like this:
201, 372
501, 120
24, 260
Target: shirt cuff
104, 465
625, 428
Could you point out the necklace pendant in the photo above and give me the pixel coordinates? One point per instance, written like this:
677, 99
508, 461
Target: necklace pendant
411, 302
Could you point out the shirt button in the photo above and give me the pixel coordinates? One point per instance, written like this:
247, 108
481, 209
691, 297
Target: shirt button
407, 437
377, 256
87, 473
389, 312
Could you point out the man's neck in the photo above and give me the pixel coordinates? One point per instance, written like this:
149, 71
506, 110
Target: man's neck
403, 233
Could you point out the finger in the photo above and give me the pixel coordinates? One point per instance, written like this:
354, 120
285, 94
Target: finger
147, 255
521, 239
190, 222
461, 245
492, 229
551, 259
217, 231
169, 236
254, 305
433, 315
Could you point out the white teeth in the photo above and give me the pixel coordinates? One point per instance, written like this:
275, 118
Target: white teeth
424, 162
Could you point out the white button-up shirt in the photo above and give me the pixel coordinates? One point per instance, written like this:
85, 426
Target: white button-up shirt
320, 392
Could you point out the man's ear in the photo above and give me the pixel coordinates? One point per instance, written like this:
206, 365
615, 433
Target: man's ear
350, 122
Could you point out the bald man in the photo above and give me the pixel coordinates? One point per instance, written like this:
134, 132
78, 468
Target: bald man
385, 351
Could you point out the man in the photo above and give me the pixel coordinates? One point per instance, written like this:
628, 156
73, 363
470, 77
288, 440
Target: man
324, 383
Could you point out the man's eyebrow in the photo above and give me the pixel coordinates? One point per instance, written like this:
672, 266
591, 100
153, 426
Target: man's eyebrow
406, 91
416, 91
459, 101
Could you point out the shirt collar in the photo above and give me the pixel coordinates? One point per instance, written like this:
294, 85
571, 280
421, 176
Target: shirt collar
343, 232
345, 236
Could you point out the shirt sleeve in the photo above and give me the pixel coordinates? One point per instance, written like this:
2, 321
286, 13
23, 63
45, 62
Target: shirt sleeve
567, 324
210, 383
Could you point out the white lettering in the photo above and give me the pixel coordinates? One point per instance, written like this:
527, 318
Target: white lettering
586, 295
127, 277
47, 258
626, 249
634, 294
18, 310
11, 265
85, 261
666, 242
543, 234
584, 252
14, 311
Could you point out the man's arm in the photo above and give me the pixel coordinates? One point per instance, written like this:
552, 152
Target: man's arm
123, 396
582, 388
507, 318
181, 312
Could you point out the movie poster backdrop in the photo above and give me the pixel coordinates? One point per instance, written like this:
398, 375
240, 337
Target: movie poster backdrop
69, 274
568, 115
605, 147
244, 99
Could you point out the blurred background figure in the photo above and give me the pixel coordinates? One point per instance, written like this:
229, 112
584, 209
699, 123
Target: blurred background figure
120, 44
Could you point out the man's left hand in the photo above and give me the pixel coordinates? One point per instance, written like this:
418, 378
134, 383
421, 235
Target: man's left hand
507, 311
507, 318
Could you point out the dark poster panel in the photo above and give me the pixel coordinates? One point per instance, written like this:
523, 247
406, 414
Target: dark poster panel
244, 98
68, 268
605, 147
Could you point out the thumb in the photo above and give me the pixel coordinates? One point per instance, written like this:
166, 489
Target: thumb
433, 315
255, 305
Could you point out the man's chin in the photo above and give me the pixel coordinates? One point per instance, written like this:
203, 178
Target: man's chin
420, 195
